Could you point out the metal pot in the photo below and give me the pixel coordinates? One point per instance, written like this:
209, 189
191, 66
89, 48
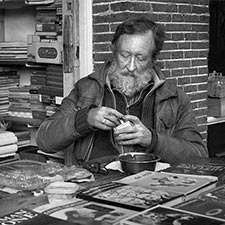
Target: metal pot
135, 162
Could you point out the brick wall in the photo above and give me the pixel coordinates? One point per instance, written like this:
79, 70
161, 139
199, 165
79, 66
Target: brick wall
184, 57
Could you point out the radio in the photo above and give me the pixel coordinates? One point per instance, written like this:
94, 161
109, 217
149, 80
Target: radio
43, 51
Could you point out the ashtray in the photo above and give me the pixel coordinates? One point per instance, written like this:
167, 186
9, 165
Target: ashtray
135, 162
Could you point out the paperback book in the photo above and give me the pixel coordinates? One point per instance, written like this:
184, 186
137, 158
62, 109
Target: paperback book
187, 185
147, 189
165, 215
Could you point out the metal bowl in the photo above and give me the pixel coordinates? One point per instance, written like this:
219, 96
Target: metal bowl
135, 162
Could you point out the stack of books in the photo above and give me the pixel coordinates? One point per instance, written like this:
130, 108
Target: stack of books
8, 144
19, 102
13, 51
8, 78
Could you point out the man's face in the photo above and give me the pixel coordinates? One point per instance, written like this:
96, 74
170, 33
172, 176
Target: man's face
131, 69
134, 53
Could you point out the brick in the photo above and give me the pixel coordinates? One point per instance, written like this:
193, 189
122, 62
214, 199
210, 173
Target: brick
202, 87
191, 18
170, 46
199, 79
183, 80
100, 8
200, 45
203, 36
164, 55
101, 47
190, 54
200, 9
177, 72
199, 62
184, 45
101, 56
165, 17
177, 54
191, 36
178, 36
190, 71
102, 37
203, 54
178, 18
203, 70
100, 28
158, 7
190, 88
200, 28
184, 8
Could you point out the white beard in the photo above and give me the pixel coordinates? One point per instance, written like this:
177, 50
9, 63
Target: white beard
127, 83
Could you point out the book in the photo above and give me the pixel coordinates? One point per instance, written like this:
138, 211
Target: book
201, 166
166, 215
208, 207
78, 210
8, 149
187, 185
8, 141
29, 217
128, 196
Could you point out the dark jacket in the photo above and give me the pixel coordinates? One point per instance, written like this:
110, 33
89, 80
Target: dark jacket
175, 125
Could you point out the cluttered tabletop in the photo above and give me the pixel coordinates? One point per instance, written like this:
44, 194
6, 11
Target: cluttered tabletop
58, 190
22, 182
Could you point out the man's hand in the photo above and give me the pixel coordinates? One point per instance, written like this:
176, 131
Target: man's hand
104, 118
137, 133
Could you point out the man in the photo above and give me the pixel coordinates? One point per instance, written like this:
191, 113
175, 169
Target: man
131, 88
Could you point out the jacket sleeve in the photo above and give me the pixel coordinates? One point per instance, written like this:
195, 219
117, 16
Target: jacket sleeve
177, 133
64, 127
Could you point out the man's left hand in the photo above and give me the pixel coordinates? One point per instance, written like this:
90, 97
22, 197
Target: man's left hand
137, 133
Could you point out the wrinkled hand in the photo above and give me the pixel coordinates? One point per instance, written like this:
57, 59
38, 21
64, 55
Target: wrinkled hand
137, 133
104, 118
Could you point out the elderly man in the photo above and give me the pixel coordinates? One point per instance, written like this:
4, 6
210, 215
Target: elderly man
129, 87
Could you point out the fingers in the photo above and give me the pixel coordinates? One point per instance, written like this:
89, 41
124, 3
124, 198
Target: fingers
104, 118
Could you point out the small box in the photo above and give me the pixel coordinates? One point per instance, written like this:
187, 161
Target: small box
61, 191
216, 107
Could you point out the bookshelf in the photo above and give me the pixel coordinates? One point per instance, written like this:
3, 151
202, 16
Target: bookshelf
25, 22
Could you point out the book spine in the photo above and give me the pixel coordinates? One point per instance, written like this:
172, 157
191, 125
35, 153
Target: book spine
46, 27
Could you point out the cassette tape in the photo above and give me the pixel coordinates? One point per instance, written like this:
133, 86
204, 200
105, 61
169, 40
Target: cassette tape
44, 52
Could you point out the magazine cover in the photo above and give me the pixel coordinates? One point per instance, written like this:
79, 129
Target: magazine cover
81, 211
178, 183
207, 207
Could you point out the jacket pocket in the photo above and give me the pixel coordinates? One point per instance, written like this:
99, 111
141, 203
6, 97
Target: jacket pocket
167, 122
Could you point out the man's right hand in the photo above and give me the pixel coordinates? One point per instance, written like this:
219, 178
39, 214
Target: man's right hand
104, 118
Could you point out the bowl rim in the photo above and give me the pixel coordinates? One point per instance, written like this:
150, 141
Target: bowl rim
156, 157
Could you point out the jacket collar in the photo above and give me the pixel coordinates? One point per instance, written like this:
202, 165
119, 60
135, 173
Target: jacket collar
165, 89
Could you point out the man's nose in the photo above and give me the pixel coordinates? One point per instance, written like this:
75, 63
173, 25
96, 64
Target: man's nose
131, 65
